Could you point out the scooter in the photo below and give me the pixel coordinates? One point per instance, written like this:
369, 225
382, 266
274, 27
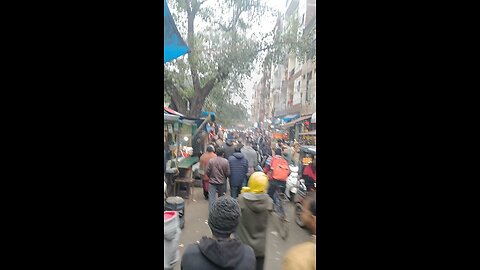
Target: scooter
292, 184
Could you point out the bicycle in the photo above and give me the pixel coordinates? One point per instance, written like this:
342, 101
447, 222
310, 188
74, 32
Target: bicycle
279, 209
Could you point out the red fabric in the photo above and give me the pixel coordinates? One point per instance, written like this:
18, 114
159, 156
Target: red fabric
308, 171
279, 168
172, 111
167, 215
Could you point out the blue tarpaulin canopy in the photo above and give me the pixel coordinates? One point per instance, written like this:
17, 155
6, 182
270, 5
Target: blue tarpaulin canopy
174, 46
290, 117
205, 114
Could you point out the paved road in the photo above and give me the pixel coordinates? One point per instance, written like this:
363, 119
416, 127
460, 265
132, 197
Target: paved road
196, 215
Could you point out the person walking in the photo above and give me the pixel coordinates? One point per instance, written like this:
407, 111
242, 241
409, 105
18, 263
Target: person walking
310, 174
238, 172
217, 171
204, 159
252, 157
287, 152
171, 171
229, 148
266, 149
303, 256
256, 207
277, 169
259, 157
296, 153
220, 251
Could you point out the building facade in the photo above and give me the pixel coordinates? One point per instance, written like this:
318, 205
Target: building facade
287, 90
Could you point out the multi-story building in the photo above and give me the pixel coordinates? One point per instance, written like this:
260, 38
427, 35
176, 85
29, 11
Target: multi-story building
298, 83
287, 90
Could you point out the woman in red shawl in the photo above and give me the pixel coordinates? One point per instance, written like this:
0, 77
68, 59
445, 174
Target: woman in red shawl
310, 174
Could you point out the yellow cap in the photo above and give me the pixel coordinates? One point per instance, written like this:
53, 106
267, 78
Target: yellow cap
245, 189
258, 182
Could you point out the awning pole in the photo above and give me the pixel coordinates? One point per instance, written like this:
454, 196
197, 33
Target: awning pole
203, 123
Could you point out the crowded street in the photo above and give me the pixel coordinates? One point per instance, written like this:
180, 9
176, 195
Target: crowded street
240, 123
196, 226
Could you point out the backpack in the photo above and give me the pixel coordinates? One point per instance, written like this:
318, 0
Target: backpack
280, 169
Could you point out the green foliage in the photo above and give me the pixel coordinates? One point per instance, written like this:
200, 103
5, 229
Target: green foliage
292, 40
222, 52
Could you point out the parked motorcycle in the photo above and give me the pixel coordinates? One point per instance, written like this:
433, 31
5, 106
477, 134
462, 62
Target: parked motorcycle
292, 184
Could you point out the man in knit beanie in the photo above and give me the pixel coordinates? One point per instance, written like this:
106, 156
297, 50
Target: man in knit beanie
220, 251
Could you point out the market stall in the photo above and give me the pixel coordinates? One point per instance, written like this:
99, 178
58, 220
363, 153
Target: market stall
297, 126
309, 137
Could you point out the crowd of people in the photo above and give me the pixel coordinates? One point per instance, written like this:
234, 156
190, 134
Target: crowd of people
254, 166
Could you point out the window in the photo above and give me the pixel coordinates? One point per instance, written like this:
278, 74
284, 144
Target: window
307, 90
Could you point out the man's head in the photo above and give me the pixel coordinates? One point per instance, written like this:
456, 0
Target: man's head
210, 148
238, 148
224, 217
309, 213
278, 151
220, 152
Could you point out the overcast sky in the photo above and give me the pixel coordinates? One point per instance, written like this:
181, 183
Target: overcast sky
267, 25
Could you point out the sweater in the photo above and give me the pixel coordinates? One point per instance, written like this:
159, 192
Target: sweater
251, 156
229, 149
204, 159
252, 229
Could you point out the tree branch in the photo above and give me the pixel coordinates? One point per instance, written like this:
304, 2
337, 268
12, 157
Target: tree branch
211, 83
174, 94
192, 12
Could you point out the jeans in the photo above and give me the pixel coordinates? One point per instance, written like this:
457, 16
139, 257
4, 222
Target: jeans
213, 190
245, 182
235, 190
260, 262
170, 183
272, 186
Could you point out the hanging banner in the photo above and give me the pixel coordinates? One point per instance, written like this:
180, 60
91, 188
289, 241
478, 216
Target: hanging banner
174, 46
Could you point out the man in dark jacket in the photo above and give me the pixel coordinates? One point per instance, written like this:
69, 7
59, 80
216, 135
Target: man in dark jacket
220, 251
238, 171
217, 171
229, 148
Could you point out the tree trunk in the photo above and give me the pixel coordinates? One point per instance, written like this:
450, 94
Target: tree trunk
200, 93
196, 104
